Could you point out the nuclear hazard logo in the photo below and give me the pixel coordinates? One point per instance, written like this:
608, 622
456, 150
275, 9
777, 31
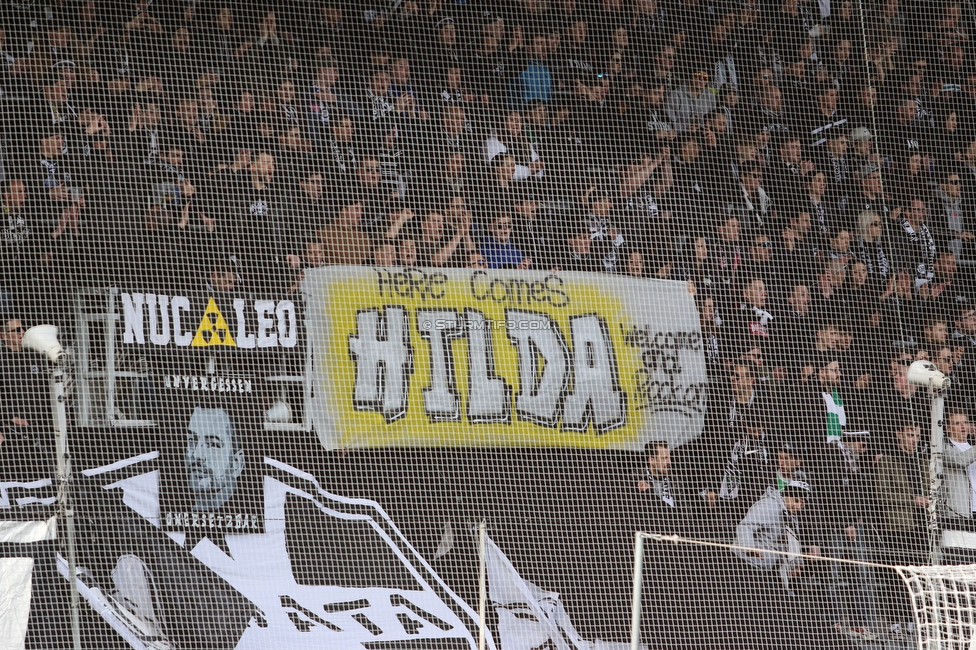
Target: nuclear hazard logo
256, 324
213, 329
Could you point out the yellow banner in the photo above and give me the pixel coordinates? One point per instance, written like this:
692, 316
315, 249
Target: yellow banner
425, 357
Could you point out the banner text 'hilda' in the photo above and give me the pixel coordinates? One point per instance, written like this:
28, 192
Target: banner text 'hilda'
565, 382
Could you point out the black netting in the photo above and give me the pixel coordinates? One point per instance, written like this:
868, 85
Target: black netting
387, 324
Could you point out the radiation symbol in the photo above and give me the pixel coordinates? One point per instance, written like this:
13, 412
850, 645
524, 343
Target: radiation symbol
213, 329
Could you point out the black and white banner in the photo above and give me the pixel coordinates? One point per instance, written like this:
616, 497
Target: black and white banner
326, 571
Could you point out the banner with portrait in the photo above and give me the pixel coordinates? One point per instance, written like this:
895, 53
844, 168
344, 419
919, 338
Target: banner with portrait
424, 357
210, 480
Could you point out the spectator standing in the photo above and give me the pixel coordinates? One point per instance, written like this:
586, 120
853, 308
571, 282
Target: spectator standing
845, 477
917, 243
862, 145
327, 100
830, 409
381, 204
455, 134
869, 247
790, 456
535, 81
869, 195
825, 117
511, 140
249, 224
22, 245
662, 69
453, 91
711, 324
729, 258
25, 392
580, 253
959, 462
402, 91
904, 133
342, 149
642, 213
799, 248
690, 194
439, 247
688, 105
490, 69
897, 395
577, 66
771, 614
901, 491
607, 239
380, 110
499, 250
964, 343
787, 174
344, 242
655, 123
62, 189
497, 189
747, 401
839, 166
26, 427
306, 214
748, 470
661, 500
771, 111
950, 222
796, 329
455, 185
818, 205
227, 44
752, 325
662, 505
754, 206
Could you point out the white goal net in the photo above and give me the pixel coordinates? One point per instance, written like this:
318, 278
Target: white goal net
943, 599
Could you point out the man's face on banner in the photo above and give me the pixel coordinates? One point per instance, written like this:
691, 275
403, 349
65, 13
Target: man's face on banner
214, 458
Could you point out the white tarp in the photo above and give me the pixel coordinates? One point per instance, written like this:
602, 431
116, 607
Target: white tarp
15, 598
27, 532
15, 579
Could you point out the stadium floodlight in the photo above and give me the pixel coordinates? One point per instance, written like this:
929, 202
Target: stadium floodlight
925, 374
44, 340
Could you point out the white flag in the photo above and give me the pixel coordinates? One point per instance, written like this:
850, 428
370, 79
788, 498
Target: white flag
527, 615
15, 597
16, 574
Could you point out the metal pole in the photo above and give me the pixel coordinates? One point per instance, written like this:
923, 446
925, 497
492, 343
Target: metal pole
482, 582
635, 610
935, 476
65, 511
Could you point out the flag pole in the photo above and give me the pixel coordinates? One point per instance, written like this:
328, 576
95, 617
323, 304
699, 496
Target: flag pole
482, 582
635, 611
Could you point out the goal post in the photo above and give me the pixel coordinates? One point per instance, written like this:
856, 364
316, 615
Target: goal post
942, 599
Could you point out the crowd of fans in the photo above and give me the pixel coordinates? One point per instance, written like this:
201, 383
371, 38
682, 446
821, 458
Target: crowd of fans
809, 169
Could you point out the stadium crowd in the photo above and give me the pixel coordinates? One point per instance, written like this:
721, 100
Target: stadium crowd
808, 169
